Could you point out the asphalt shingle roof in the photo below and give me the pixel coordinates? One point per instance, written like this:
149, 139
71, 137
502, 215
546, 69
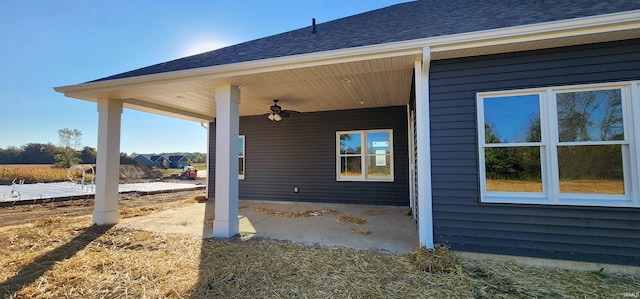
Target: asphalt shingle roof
400, 22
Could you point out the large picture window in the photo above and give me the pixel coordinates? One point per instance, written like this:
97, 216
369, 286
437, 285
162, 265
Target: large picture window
364, 155
560, 145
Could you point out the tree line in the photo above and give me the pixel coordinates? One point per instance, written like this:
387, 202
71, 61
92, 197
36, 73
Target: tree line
69, 152
582, 117
45, 153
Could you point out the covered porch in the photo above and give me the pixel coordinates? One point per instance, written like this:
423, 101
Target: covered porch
220, 95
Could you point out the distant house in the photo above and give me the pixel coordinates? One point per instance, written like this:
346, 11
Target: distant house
177, 161
509, 127
151, 160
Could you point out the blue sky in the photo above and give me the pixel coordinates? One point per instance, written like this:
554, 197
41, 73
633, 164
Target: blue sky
511, 115
66, 42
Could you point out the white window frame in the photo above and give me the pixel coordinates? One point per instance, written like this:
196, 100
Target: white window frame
551, 195
244, 158
363, 157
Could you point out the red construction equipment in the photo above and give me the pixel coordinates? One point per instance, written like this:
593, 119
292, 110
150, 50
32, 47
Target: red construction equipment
189, 172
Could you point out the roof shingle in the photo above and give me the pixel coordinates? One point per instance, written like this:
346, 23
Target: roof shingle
400, 22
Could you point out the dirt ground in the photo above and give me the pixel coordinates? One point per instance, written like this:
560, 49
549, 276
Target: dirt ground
23, 214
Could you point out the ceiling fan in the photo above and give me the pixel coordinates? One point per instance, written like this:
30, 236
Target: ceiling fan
276, 113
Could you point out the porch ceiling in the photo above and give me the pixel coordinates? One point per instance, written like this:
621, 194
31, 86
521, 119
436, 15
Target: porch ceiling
349, 85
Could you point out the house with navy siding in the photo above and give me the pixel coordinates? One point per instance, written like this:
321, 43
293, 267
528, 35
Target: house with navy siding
509, 127
151, 160
177, 161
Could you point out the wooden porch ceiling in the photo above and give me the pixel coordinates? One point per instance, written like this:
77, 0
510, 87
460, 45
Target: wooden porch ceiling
351, 85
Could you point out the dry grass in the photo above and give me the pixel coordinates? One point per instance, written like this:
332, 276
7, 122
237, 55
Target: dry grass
340, 218
70, 258
292, 214
361, 231
199, 198
32, 172
513, 186
592, 186
344, 219
573, 186
436, 260
127, 212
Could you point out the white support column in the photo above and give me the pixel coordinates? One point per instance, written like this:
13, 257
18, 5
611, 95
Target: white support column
107, 162
226, 223
423, 140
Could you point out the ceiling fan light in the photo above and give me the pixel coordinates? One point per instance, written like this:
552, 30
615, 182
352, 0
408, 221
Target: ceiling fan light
277, 117
271, 117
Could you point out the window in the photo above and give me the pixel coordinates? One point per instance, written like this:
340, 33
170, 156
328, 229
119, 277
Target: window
560, 145
241, 157
365, 155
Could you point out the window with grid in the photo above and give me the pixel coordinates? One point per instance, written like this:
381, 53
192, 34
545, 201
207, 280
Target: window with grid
560, 145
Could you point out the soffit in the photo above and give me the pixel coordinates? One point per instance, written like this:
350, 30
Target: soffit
349, 85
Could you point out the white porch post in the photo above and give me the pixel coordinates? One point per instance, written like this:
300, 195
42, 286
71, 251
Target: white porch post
226, 222
423, 137
107, 162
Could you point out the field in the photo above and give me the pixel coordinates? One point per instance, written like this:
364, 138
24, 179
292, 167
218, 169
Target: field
573, 186
60, 256
32, 173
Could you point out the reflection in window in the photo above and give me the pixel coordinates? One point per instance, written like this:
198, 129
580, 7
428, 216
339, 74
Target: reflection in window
590, 115
509, 120
581, 153
378, 154
365, 155
241, 157
513, 169
591, 169
512, 119
350, 155
350, 144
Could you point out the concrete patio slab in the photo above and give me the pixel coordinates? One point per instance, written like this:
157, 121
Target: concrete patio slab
390, 228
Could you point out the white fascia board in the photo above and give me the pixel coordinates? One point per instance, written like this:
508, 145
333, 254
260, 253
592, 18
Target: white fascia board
144, 106
565, 28
574, 27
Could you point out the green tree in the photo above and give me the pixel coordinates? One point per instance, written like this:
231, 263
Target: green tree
88, 155
70, 141
10, 155
38, 153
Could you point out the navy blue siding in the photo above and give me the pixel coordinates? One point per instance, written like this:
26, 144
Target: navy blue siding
301, 151
597, 234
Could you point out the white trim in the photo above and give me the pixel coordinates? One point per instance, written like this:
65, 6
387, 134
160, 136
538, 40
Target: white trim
412, 164
423, 140
364, 155
556, 29
551, 194
634, 145
226, 223
105, 210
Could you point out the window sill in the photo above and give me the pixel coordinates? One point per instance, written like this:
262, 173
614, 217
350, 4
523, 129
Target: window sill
614, 202
364, 180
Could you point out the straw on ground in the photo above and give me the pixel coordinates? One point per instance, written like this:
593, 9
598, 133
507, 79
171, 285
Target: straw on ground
67, 257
